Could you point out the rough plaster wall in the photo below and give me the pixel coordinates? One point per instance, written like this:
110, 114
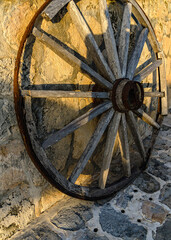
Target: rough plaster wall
159, 13
24, 194
23, 191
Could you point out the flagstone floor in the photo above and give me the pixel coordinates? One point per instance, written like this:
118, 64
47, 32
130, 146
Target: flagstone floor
140, 212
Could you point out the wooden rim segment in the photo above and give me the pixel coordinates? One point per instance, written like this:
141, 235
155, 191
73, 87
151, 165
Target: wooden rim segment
115, 122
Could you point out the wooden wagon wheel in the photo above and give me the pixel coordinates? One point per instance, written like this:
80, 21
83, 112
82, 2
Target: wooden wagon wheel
120, 90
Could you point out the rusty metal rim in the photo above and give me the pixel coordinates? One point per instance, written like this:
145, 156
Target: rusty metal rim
19, 109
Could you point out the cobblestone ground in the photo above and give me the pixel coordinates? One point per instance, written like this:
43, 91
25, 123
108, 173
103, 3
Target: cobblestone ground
142, 211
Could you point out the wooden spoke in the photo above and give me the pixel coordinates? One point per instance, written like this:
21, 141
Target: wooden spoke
77, 123
102, 125
89, 40
63, 94
148, 70
53, 8
132, 65
109, 39
109, 148
154, 94
116, 145
124, 38
146, 118
54, 46
142, 66
135, 133
124, 146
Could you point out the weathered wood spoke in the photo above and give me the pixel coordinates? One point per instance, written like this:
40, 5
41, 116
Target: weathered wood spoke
102, 125
154, 94
124, 38
132, 65
109, 39
53, 8
124, 146
147, 71
63, 94
133, 126
143, 66
77, 123
89, 40
54, 46
109, 148
146, 118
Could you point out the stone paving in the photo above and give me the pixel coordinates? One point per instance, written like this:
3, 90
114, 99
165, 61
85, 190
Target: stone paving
141, 212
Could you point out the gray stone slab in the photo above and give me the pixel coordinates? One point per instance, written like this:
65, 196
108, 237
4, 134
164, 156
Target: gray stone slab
165, 156
6, 76
72, 219
165, 195
124, 197
164, 232
86, 234
42, 231
146, 183
7, 119
154, 212
162, 144
119, 225
26, 236
159, 169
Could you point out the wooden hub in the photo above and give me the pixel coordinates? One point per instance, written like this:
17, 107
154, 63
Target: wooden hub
127, 95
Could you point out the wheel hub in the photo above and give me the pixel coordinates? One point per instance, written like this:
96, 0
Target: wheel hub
127, 95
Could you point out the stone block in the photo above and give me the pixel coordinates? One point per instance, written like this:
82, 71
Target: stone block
72, 218
16, 211
146, 183
15, 21
6, 76
165, 195
119, 225
164, 232
42, 231
154, 212
159, 169
7, 119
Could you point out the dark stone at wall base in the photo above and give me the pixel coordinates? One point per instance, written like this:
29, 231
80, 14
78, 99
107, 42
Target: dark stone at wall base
26, 236
72, 218
42, 232
86, 234
45, 233
146, 183
165, 195
165, 157
119, 225
164, 232
159, 169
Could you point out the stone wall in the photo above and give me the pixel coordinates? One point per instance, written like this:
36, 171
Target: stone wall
24, 194
159, 13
